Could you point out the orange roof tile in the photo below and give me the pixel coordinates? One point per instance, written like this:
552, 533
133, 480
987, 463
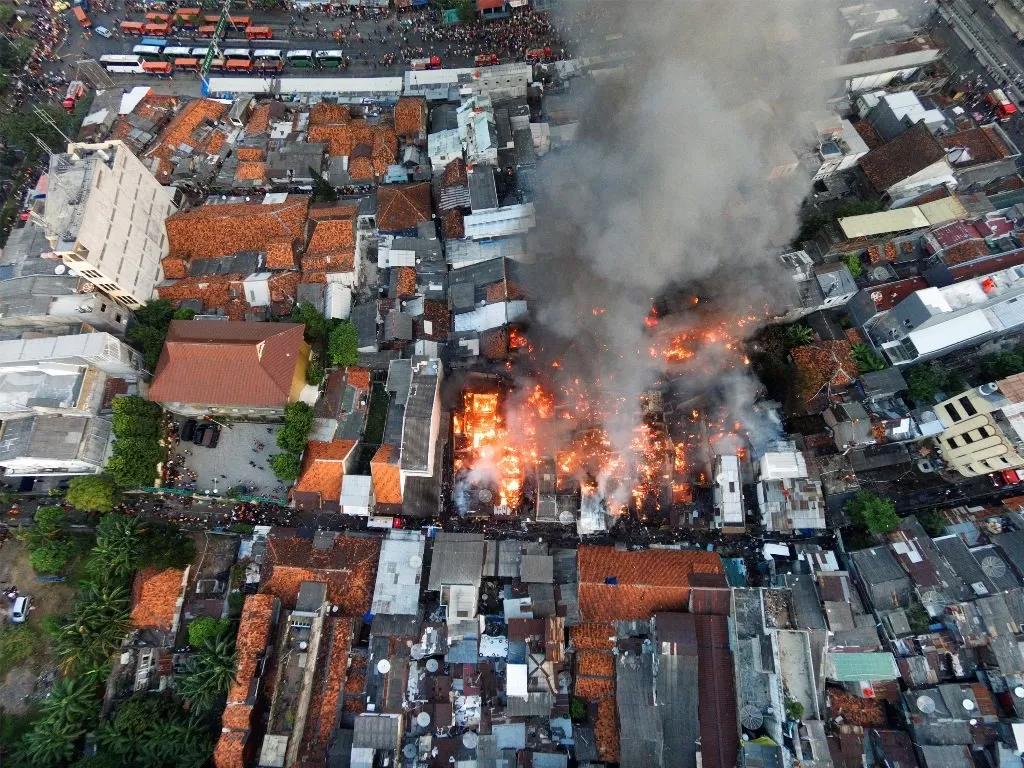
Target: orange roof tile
338, 138
174, 267
387, 486
595, 664
250, 153
594, 688
455, 174
593, 635
358, 377
323, 467
319, 211
606, 731
326, 114
230, 750
406, 282
349, 568
251, 171
216, 292
496, 292
254, 631
320, 719
644, 582
211, 231
237, 716
822, 366
411, 116
401, 207
155, 597
331, 235
280, 253
360, 169
259, 120
188, 127
453, 224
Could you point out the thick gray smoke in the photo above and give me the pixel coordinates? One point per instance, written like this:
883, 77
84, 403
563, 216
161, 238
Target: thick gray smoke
684, 173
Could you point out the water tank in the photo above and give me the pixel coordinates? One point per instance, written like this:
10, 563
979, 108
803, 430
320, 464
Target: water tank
303, 645
433, 666
383, 666
423, 719
470, 739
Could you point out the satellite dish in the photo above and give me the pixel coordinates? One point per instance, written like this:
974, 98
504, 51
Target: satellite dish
751, 717
993, 567
925, 704
60, 269
433, 666
415, 561
303, 645
1019, 691
485, 495
383, 666
423, 719
417, 651
470, 739
409, 751
968, 705
973, 721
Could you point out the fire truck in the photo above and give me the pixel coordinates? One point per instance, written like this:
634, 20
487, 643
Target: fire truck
76, 90
433, 62
1005, 109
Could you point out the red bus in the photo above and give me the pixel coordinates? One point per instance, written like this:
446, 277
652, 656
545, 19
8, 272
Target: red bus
154, 16
156, 67
82, 18
187, 65
208, 30
188, 13
241, 22
133, 27
157, 29
259, 33
238, 65
211, 19
217, 65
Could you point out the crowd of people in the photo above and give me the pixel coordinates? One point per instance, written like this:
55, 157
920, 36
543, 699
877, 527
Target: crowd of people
48, 33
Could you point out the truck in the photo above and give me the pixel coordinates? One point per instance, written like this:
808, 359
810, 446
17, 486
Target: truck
76, 90
1004, 108
430, 62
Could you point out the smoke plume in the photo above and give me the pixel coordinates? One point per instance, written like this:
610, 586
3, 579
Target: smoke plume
683, 176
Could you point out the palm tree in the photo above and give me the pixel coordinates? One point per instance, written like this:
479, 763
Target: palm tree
866, 358
118, 544
209, 673
97, 627
45, 746
799, 335
73, 701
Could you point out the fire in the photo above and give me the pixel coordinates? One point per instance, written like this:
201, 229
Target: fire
517, 340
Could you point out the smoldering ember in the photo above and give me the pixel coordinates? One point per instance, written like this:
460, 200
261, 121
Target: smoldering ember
493, 383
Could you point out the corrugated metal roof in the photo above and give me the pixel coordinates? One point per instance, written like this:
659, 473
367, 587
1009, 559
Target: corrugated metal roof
861, 667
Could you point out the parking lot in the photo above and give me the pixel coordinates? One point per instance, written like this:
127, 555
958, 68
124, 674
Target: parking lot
235, 461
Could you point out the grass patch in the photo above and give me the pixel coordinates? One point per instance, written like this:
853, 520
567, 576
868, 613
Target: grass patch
17, 643
377, 416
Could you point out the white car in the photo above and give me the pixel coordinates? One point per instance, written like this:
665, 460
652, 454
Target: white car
103, 32
22, 605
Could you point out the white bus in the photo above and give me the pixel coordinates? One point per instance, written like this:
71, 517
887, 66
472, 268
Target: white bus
174, 52
200, 53
333, 58
237, 53
148, 52
125, 65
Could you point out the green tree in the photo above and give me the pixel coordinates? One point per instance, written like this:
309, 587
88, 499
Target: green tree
184, 314
149, 330
854, 264
343, 344
799, 335
794, 709
93, 493
51, 558
73, 701
298, 420
317, 326
46, 747
96, 628
20, 130
315, 372
205, 629
118, 547
866, 358
49, 521
924, 381
872, 512
209, 674
164, 545
135, 417
1001, 364
286, 467
323, 192
932, 521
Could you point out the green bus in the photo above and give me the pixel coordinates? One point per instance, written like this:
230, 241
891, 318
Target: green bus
331, 59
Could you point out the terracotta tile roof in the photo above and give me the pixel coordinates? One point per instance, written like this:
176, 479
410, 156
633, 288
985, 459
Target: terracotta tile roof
331, 235
331, 678
868, 133
902, 157
280, 253
283, 288
867, 713
440, 318
188, 127
250, 153
360, 169
230, 750
595, 664
259, 120
606, 730
983, 145
453, 225
594, 688
338, 138
964, 252
228, 363
211, 231
615, 585
358, 377
237, 716
387, 487
494, 343
327, 114
218, 292
401, 207
155, 597
349, 568
174, 267
251, 170
496, 292
406, 282
455, 174
593, 635
253, 639
319, 211
323, 467
822, 366
155, 108
411, 116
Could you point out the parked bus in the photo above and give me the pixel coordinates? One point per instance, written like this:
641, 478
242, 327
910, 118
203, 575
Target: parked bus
268, 59
216, 65
237, 54
200, 53
187, 64
176, 52
156, 42
158, 29
300, 58
125, 65
156, 67
208, 30
259, 33
132, 27
333, 58
148, 52
187, 13
82, 18
158, 17
238, 65
239, 22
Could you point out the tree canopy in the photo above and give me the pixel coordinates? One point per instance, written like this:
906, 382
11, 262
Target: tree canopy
138, 427
343, 344
149, 330
872, 512
93, 493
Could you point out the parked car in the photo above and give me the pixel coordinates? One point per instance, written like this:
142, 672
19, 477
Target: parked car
103, 32
211, 436
22, 605
197, 438
188, 430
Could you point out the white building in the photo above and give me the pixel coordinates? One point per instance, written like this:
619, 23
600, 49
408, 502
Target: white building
356, 495
104, 218
399, 572
787, 499
839, 151
54, 445
422, 420
728, 494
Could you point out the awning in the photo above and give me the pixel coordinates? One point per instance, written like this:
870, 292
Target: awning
490, 5
518, 3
